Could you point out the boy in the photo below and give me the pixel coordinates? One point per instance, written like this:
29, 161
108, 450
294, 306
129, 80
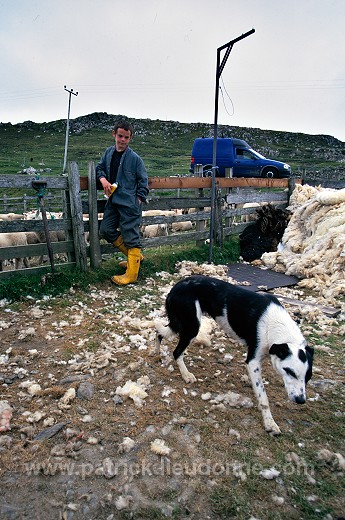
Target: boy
123, 212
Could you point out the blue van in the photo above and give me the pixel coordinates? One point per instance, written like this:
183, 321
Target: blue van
238, 155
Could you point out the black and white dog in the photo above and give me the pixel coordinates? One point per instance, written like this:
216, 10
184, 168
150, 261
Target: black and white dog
257, 320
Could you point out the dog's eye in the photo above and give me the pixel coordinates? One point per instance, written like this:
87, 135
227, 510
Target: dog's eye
290, 372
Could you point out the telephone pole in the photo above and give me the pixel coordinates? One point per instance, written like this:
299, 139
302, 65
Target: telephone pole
67, 126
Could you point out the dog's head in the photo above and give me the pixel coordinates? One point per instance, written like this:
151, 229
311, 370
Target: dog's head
294, 363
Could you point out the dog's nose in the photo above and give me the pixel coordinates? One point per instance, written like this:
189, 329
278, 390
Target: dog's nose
300, 399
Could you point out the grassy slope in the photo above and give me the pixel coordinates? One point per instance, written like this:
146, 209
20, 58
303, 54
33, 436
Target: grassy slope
164, 145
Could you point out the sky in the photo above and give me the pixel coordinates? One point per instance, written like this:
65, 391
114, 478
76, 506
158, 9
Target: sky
156, 59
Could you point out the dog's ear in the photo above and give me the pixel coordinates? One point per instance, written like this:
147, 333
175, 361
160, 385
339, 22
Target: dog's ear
310, 351
280, 350
310, 355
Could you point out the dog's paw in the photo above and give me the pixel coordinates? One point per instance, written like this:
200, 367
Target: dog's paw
189, 377
272, 428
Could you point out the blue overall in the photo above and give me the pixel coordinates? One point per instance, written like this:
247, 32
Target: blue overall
123, 211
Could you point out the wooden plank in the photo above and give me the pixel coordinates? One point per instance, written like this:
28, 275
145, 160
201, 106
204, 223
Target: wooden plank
177, 203
95, 250
236, 229
25, 182
17, 226
193, 217
175, 238
7, 253
178, 238
243, 197
329, 311
206, 182
84, 183
35, 270
77, 216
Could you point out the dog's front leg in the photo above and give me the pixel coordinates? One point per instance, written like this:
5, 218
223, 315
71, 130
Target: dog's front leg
187, 376
158, 342
254, 371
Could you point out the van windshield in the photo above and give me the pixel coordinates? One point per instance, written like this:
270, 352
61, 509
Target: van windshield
257, 154
248, 153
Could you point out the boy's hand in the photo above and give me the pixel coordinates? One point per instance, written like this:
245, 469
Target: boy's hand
107, 187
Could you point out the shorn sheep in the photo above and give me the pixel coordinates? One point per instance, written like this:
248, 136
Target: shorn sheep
181, 226
11, 240
11, 216
155, 230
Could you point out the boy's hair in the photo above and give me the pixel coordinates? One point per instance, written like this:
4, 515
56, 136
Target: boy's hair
126, 125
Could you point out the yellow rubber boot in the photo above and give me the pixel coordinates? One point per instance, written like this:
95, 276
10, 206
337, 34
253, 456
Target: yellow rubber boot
119, 243
124, 263
133, 265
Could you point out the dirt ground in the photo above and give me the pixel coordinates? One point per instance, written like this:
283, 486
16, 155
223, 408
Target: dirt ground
78, 448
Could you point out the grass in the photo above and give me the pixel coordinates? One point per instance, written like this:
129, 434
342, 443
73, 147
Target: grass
165, 146
159, 259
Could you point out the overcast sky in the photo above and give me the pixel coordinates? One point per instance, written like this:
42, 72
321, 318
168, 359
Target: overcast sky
156, 59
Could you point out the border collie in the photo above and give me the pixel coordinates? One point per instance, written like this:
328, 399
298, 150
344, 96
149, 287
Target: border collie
257, 320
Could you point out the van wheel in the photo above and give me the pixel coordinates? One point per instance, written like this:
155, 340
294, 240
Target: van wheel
269, 173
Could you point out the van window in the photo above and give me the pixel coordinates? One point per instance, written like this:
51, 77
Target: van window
241, 153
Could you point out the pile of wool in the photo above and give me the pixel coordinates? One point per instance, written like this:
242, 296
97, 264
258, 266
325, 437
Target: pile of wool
135, 390
313, 244
187, 268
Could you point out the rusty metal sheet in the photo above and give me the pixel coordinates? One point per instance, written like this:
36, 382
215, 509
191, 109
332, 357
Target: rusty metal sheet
260, 278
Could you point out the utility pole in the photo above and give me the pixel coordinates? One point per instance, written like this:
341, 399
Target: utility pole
67, 126
219, 70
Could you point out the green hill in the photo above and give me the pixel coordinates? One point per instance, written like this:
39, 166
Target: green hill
165, 146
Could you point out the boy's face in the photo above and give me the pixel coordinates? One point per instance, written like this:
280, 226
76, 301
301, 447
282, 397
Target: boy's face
122, 138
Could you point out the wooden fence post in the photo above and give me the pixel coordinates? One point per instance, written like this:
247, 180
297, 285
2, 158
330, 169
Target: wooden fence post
291, 184
77, 216
95, 248
200, 224
219, 218
228, 174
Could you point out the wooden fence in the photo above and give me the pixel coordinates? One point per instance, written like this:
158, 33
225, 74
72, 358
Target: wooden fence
80, 197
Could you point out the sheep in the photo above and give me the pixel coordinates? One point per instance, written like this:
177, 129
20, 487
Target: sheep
159, 213
11, 216
264, 234
36, 215
11, 240
188, 211
155, 230
39, 237
181, 226
249, 217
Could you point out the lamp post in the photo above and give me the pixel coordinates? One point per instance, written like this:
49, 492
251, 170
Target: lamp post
219, 69
67, 126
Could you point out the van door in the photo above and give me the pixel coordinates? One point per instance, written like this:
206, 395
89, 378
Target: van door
246, 163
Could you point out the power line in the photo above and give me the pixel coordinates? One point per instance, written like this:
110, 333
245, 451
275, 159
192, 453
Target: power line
313, 84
